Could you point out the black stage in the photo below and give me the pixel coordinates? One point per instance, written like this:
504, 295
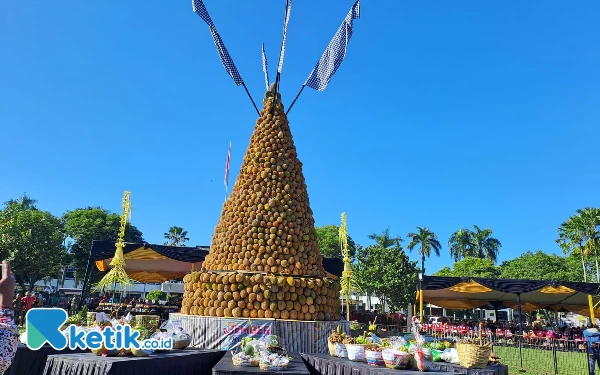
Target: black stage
324, 364
175, 362
32, 362
226, 367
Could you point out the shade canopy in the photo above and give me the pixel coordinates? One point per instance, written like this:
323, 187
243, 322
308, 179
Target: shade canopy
468, 293
158, 263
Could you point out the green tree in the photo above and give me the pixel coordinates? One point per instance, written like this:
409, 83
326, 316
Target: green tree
471, 267
426, 240
155, 295
385, 239
541, 266
461, 244
176, 236
571, 237
486, 246
85, 225
329, 242
31, 240
477, 243
387, 271
590, 219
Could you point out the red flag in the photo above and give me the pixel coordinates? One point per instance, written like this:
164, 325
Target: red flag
226, 180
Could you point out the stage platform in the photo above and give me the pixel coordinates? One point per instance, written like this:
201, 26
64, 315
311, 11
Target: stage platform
174, 362
225, 333
324, 364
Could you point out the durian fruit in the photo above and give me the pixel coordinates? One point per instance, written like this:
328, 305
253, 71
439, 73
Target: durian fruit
266, 224
263, 296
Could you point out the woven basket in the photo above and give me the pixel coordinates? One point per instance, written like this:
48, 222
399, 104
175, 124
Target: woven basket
331, 346
474, 355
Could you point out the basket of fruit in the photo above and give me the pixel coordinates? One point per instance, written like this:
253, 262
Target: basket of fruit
373, 355
336, 343
356, 351
395, 359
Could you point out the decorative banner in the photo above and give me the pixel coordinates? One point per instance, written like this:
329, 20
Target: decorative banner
234, 330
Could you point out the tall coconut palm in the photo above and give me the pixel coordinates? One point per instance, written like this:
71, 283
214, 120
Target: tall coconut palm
571, 239
462, 244
486, 246
427, 241
176, 236
590, 221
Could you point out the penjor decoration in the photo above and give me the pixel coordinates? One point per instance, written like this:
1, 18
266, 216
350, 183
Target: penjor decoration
348, 283
117, 273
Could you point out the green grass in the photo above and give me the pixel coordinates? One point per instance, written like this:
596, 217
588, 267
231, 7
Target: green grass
541, 362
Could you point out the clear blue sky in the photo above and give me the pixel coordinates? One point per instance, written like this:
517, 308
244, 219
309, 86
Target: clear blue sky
444, 114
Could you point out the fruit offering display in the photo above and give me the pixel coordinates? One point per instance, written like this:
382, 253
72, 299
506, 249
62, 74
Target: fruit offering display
264, 260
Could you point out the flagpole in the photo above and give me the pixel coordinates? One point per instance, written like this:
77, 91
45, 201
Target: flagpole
281, 52
296, 98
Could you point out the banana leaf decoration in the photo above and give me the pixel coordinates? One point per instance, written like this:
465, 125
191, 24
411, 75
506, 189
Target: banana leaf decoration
348, 283
117, 273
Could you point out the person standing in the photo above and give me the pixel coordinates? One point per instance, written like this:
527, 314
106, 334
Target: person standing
18, 309
27, 304
592, 338
9, 332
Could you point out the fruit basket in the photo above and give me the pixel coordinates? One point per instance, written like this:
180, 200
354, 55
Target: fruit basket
395, 359
374, 356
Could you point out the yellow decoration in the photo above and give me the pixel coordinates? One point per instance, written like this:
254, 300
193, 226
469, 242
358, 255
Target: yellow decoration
470, 287
548, 289
348, 283
117, 273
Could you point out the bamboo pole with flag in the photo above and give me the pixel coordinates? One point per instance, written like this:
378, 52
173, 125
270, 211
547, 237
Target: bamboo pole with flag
333, 56
265, 66
226, 178
286, 21
200, 9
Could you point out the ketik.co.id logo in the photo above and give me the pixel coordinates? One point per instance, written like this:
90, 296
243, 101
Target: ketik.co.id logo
43, 326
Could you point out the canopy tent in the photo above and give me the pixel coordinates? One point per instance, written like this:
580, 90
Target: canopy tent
158, 263
470, 293
150, 263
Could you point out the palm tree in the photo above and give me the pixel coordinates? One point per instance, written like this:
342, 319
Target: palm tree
590, 221
176, 236
385, 239
486, 246
462, 244
427, 241
571, 238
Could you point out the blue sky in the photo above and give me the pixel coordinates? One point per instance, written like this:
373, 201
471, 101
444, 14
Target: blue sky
444, 114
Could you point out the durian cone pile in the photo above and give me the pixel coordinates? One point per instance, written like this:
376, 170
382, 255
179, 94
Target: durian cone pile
264, 260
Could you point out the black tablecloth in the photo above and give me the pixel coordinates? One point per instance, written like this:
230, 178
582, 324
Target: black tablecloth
324, 364
32, 362
175, 362
226, 367
456, 369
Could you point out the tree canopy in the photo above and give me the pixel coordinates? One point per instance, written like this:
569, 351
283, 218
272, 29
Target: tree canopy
329, 242
471, 267
541, 266
85, 225
31, 240
176, 236
477, 243
386, 271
